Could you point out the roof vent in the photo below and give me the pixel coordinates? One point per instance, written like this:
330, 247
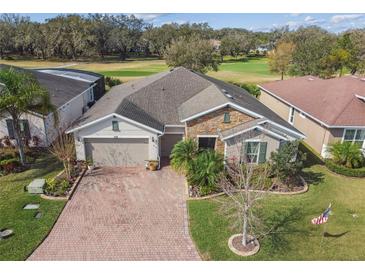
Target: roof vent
310, 79
362, 79
229, 95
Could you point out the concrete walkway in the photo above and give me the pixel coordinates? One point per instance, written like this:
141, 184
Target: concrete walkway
123, 214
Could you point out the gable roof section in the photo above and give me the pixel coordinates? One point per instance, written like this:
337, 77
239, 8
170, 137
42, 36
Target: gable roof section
333, 102
164, 98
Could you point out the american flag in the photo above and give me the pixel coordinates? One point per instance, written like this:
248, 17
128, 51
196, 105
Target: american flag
323, 218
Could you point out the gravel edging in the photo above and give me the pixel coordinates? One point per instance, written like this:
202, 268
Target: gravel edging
304, 190
71, 192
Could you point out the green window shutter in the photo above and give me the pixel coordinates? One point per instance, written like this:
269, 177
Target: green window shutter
10, 126
262, 152
26, 132
244, 151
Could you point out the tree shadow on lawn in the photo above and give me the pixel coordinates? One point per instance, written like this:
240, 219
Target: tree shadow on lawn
313, 178
36, 170
282, 224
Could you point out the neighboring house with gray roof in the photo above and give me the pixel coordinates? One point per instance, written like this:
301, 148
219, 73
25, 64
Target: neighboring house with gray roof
72, 92
142, 120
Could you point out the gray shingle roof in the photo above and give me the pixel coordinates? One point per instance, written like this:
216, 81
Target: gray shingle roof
169, 97
241, 127
61, 89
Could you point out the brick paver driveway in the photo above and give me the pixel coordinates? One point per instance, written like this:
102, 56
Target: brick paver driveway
123, 214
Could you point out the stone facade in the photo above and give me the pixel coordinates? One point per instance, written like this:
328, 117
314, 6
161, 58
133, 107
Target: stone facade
210, 123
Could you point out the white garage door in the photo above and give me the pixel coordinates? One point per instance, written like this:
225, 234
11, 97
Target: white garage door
117, 152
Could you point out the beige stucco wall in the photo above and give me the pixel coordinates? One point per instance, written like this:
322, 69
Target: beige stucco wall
317, 136
210, 123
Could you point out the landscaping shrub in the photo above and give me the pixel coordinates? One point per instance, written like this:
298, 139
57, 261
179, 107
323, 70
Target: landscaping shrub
183, 154
9, 165
57, 186
340, 169
205, 171
111, 82
347, 154
287, 162
253, 89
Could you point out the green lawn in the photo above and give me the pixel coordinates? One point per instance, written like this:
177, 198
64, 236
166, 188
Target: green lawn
246, 70
28, 231
241, 70
294, 237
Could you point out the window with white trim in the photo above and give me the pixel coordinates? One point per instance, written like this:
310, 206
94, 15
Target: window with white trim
255, 151
291, 116
355, 136
206, 142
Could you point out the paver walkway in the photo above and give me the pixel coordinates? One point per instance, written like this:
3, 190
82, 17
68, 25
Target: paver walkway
123, 214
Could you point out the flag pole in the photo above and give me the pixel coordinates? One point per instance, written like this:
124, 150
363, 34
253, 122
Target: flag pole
324, 227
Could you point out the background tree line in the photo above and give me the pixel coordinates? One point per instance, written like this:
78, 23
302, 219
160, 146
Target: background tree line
309, 50
97, 35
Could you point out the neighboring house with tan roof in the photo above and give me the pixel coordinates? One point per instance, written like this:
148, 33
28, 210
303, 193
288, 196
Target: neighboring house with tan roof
142, 120
325, 110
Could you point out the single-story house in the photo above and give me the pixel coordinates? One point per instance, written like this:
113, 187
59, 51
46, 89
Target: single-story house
142, 120
325, 110
72, 92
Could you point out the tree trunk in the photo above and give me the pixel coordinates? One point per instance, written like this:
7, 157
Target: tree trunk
18, 139
282, 75
244, 227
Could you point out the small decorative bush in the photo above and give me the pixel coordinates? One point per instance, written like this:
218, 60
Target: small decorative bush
9, 165
287, 162
205, 171
340, 169
111, 82
57, 186
5, 141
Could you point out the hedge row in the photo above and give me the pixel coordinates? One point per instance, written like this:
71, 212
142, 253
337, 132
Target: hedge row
351, 172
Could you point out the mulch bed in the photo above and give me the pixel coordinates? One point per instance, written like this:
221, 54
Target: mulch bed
237, 243
296, 185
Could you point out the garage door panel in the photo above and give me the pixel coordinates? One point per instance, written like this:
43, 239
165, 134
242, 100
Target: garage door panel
117, 152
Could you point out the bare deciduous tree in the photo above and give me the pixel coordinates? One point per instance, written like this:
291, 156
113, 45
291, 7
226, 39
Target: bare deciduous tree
244, 183
64, 149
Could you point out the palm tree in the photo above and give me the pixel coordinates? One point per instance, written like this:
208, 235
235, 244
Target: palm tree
205, 170
183, 154
21, 93
347, 154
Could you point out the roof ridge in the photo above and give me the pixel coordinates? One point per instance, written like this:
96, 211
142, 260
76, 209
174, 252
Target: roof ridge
343, 109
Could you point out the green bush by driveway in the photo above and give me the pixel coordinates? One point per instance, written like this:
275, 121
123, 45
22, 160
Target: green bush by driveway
28, 231
293, 236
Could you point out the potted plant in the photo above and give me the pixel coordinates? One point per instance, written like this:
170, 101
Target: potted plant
153, 165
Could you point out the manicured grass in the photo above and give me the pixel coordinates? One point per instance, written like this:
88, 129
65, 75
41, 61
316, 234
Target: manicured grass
294, 237
240, 70
247, 70
28, 231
